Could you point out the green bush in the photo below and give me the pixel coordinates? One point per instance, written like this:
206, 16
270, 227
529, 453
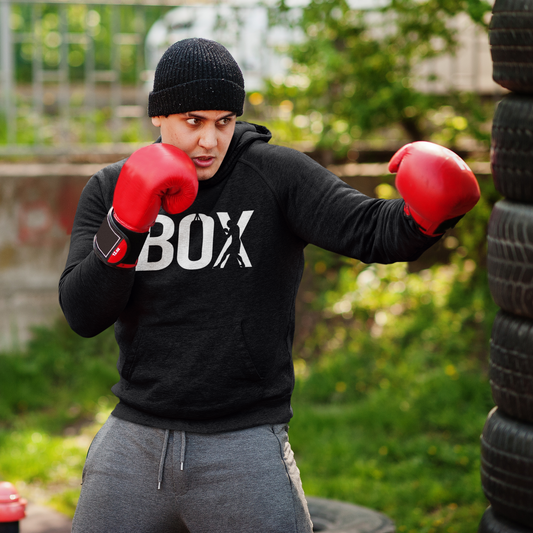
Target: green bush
59, 372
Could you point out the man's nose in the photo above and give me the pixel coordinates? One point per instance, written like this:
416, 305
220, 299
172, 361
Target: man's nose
208, 139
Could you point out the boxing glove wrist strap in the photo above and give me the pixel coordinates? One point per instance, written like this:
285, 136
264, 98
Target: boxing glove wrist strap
433, 229
116, 245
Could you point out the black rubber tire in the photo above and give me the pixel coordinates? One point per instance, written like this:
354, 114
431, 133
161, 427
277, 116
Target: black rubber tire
342, 517
507, 467
511, 365
511, 44
511, 152
492, 523
510, 257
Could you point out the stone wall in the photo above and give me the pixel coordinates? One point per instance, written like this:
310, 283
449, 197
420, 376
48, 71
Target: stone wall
37, 207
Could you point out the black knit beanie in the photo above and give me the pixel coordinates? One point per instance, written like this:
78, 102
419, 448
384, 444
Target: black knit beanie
195, 75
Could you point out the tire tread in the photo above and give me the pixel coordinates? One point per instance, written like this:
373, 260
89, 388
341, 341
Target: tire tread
510, 257
507, 466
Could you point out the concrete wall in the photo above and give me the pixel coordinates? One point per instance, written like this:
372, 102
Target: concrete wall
37, 207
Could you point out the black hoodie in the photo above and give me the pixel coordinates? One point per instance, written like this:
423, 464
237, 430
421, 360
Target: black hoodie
205, 322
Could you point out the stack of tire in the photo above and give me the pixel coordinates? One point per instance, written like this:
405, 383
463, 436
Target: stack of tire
507, 439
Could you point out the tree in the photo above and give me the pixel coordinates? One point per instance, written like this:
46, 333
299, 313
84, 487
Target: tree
355, 69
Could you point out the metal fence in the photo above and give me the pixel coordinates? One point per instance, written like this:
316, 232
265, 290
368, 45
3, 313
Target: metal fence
75, 76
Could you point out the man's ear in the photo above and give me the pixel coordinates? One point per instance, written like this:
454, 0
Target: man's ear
156, 121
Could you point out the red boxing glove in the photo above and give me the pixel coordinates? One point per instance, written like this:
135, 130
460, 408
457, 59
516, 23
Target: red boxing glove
154, 176
436, 184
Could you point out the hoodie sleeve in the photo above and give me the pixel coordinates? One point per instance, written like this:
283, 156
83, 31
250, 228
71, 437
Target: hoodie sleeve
323, 210
91, 294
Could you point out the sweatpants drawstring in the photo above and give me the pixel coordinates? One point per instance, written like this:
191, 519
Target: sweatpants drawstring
162, 461
164, 455
182, 458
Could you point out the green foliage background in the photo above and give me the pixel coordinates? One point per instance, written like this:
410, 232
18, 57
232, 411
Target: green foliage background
354, 73
391, 361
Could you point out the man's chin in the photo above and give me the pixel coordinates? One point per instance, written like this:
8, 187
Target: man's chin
205, 174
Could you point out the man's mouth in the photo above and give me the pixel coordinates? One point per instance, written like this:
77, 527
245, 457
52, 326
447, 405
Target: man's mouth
203, 161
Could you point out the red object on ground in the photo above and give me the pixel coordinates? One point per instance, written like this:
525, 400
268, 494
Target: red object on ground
12, 506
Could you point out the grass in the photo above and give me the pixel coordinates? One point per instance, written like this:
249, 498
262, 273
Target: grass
389, 414
391, 396
380, 454
55, 396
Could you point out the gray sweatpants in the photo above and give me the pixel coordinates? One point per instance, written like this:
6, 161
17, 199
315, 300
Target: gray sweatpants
139, 479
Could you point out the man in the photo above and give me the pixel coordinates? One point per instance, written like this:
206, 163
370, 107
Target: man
198, 441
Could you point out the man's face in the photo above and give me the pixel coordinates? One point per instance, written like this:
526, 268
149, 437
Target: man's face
203, 135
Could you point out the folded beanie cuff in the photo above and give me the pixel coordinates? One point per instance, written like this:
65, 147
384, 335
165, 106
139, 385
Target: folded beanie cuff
197, 95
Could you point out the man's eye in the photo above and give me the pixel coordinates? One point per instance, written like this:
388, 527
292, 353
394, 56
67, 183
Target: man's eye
193, 121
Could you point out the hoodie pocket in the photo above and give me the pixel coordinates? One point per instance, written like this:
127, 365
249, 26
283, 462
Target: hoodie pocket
176, 368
